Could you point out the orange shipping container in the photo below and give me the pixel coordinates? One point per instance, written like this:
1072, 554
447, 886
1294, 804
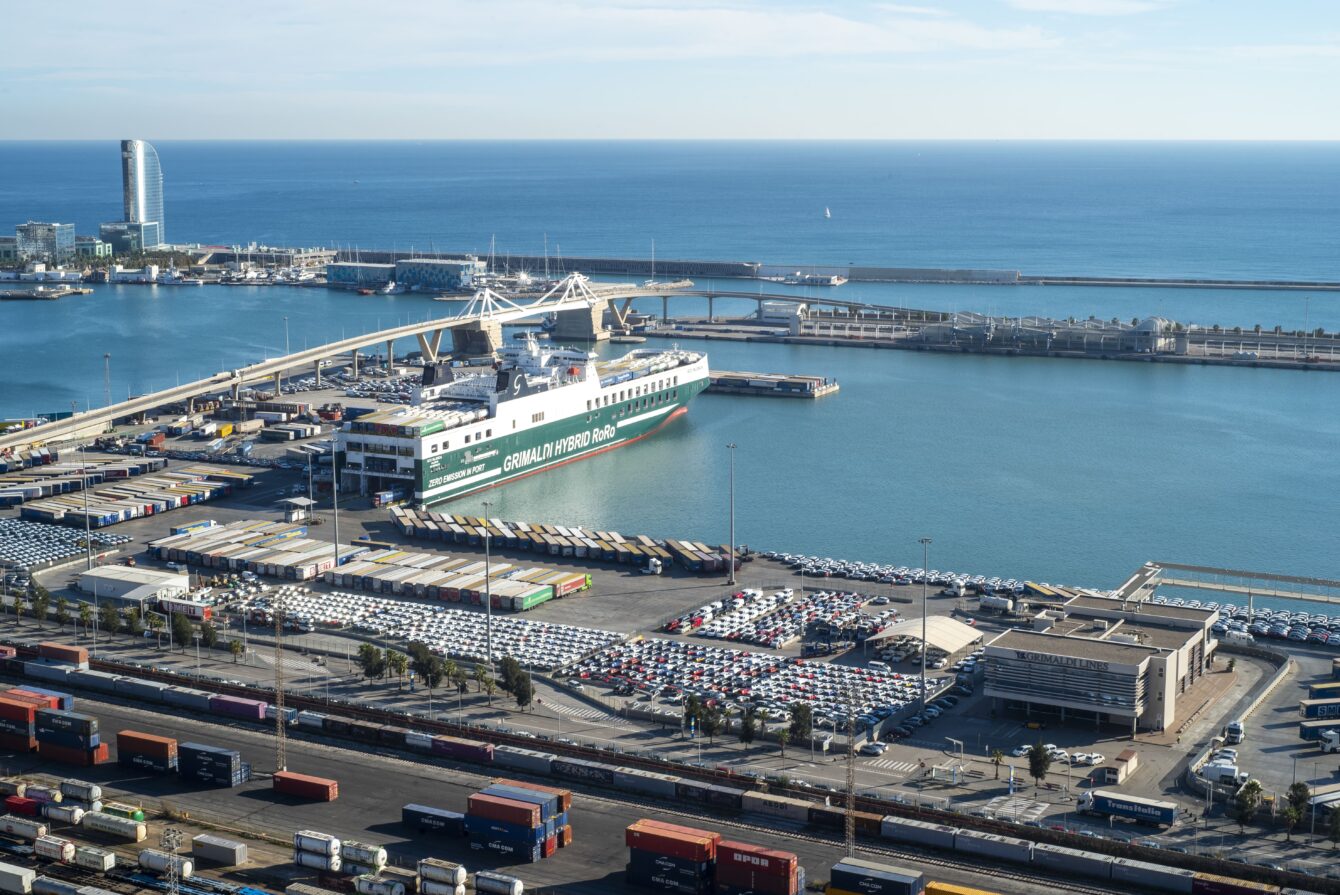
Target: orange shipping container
146, 744
675, 842
62, 653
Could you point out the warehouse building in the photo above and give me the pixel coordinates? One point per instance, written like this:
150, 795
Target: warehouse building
1103, 660
359, 275
438, 274
133, 585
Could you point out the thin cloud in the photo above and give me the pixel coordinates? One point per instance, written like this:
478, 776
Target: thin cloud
1088, 7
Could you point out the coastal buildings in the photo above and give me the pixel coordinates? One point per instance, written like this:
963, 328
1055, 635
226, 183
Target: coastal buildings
1105, 660
141, 226
438, 274
353, 275
44, 241
92, 247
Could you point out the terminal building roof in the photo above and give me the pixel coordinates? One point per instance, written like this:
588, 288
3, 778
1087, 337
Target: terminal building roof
1075, 647
942, 633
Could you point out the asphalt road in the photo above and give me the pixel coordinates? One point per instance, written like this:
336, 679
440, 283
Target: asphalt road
373, 786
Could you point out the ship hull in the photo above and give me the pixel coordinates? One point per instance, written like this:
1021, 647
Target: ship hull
514, 456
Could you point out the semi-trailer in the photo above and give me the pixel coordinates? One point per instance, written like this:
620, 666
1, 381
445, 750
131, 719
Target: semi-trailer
1110, 803
1319, 708
1316, 728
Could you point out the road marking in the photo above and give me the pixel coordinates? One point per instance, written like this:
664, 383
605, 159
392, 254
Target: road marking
584, 714
888, 764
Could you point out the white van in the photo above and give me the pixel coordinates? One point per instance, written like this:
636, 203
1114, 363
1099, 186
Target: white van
1235, 732
876, 665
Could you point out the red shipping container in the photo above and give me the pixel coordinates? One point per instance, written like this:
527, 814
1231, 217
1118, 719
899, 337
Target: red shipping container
564, 795
101, 755
523, 814
691, 845
8, 652
20, 805
548, 847
304, 786
132, 741
755, 857
66, 755
741, 877
17, 710
37, 701
62, 653
14, 742
565, 836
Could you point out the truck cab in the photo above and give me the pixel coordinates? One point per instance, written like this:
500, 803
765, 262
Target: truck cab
1235, 732
1330, 741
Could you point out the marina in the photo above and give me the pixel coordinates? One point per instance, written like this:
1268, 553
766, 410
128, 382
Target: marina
42, 293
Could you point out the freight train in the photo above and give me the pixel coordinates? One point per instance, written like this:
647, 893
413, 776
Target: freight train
721, 798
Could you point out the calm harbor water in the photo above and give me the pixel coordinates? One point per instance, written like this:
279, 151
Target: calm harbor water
1064, 471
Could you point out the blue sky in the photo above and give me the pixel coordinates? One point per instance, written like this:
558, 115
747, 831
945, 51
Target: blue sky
961, 69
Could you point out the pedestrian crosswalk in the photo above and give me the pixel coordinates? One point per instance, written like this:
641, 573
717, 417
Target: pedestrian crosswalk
579, 712
889, 764
1016, 808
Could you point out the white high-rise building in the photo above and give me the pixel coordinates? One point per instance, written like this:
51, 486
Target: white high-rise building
142, 190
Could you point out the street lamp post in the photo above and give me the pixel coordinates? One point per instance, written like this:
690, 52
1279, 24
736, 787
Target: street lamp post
925, 582
196, 635
488, 589
286, 349
83, 486
731, 559
107, 380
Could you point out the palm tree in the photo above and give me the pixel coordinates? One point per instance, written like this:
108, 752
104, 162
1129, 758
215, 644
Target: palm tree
86, 617
235, 647
783, 737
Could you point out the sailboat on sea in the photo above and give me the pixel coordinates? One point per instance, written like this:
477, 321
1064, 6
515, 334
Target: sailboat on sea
827, 213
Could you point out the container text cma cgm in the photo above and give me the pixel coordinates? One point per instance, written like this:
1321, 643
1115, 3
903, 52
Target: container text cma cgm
471, 428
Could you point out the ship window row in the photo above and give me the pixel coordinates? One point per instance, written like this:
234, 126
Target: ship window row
537, 417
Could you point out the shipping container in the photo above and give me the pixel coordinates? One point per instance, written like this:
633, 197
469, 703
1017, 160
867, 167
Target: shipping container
54, 848
24, 806
16, 880
316, 843
438, 870
771, 862
363, 853
506, 811
304, 786
483, 828
22, 827
317, 862
493, 883
120, 827
236, 707
81, 790
671, 840
989, 845
11, 786
160, 861
1213, 884
75, 655
44, 793
368, 884
1152, 877
63, 813
1319, 708
426, 819
120, 809
920, 832
218, 851
89, 857
858, 875
1071, 861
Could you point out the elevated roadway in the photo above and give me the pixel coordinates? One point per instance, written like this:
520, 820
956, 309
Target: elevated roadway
485, 309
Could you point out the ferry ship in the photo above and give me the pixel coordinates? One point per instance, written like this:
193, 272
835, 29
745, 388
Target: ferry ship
539, 406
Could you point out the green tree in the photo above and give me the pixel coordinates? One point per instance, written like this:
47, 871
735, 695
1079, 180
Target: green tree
693, 709
62, 611
235, 647
459, 678
748, 726
18, 605
783, 737
86, 616
41, 603
480, 675
1291, 817
802, 721
1299, 795
1039, 763
490, 687
509, 673
109, 619
182, 630
371, 661
135, 623
523, 688
711, 722
1232, 663
997, 758
1246, 804
397, 663
209, 635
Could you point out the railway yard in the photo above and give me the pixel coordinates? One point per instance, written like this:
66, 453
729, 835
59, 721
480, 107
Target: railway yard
614, 665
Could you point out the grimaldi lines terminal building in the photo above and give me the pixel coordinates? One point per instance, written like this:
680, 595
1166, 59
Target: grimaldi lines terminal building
1107, 660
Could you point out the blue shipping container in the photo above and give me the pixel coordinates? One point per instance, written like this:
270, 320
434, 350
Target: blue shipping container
425, 818
483, 828
548, 802
66, 699
68, 740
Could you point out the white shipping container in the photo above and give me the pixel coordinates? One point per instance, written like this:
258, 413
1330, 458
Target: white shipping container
22, 827
16, 880
433, 887
316, 843
81, 790
66, 814
217, 850
377, 885
317, 862
373, 855
54, 849
438, 870
497, 883
160, 861
91, 858
123, 827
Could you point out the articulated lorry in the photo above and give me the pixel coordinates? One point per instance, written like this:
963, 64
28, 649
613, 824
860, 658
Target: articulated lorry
1110, 803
